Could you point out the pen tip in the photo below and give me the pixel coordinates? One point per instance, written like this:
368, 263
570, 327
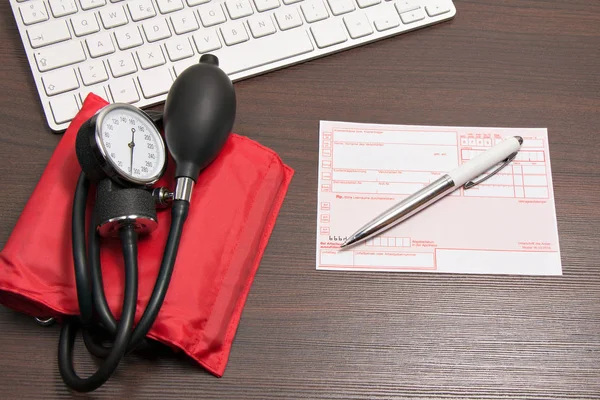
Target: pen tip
351, 240
520, 139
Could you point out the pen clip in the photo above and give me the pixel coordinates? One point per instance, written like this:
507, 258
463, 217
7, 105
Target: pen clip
482, 178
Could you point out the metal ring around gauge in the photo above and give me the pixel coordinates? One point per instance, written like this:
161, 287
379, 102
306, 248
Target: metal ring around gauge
101, 153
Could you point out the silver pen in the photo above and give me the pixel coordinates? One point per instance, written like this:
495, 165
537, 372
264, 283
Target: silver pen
467, 174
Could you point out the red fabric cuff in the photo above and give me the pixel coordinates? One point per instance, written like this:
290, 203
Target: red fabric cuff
232, 214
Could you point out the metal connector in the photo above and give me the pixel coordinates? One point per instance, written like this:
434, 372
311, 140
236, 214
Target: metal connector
163, 197
183, 189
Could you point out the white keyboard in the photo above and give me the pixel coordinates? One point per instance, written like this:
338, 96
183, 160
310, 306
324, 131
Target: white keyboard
131, 50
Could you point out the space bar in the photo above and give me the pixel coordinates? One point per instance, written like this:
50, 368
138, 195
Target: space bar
265, 50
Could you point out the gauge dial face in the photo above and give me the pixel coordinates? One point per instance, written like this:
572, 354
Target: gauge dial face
131, 144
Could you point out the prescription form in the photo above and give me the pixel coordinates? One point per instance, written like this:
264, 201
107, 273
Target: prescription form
504, 225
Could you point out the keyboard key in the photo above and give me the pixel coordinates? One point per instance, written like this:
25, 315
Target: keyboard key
141, 9
207, 40
328, 33
157, 29
238, 8
339, 7
48, 33
184, 22
124, 91
265, 50
388, 22
178, 49
406, 5
84, 24
437, 8
33, 12
234, 33
314, 10
122, 64
100, 45
384, 17
60, 8
413, 16
155, 82
60, 81
64, 108
128, 37
113, 16
97, 90
192, 3
89, 4
211, 14
261, 25
150, 56
59, 55
358, 25
167, 6
286, 2
265, 5
367, 3
288, 18
93, 72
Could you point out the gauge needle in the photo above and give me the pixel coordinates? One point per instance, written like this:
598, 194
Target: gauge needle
131, 146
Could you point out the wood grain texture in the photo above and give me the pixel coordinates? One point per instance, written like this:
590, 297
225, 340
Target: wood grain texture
309, 334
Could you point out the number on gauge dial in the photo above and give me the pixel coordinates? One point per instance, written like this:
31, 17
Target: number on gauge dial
132, 144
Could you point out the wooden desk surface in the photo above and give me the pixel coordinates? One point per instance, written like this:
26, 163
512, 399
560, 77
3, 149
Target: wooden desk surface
514, 63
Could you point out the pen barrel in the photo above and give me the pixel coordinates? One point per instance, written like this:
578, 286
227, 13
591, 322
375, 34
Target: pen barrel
484, 161
408, 207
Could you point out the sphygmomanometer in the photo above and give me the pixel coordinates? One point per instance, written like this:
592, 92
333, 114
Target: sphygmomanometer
121, 151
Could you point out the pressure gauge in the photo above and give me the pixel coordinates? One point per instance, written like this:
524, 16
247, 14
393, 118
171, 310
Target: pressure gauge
123, 143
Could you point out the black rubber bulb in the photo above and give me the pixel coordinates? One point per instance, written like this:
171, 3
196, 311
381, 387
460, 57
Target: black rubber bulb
198, 116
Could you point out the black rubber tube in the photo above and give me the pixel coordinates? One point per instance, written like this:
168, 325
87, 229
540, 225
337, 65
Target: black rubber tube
82, 278
100, 310
90, 336
124, 330
179, 214
92, 300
